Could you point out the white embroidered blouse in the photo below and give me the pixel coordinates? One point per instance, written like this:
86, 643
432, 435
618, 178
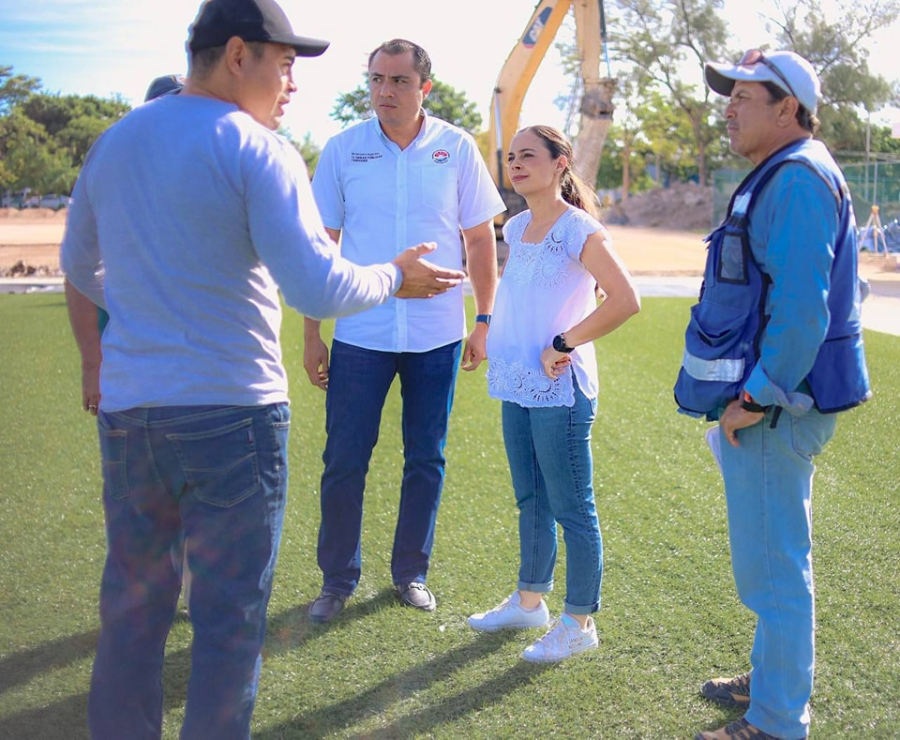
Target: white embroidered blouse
545, 290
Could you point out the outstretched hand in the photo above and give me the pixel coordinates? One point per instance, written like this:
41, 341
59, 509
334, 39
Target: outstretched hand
422, 279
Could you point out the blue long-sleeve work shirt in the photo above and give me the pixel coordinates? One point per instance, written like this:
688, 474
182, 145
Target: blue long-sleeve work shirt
793, 230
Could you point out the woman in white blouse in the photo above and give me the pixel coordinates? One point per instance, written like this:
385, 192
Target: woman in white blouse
543, 368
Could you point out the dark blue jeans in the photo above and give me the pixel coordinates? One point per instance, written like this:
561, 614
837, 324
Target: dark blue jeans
358, 382
217, 477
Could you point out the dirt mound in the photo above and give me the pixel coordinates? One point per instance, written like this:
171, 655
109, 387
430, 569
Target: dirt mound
682, 206
21, 270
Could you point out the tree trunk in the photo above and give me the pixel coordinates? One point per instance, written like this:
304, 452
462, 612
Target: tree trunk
701, 160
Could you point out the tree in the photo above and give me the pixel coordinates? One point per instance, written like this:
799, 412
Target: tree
79, 135
15, 88
838, 52
669, 136
55, 112
74, 121
31, 158
668, 41
352, 106
44, 138
309, 150
622, 159
662, 38
444, 102
449, 104
650, 143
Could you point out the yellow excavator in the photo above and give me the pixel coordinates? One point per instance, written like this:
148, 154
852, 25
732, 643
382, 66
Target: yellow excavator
518, 71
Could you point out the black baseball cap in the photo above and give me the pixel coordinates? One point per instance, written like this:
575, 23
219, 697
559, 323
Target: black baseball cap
250, 20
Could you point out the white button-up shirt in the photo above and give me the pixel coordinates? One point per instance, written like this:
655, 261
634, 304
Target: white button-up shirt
384, 199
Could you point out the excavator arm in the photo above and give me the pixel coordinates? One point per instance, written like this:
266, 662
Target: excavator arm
515, 77
596, 102
518, 72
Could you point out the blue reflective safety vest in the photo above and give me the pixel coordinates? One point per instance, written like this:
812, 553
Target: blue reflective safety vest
723, 336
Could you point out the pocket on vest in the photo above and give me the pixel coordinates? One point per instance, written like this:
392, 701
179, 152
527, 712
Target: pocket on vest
715, 331
714, 361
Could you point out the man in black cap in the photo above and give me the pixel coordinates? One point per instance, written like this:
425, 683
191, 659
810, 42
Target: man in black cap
188, 217
164, 85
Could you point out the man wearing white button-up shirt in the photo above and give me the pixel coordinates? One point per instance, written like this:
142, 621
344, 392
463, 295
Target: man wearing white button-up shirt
385, 183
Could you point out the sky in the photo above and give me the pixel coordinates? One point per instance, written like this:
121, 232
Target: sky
107, 47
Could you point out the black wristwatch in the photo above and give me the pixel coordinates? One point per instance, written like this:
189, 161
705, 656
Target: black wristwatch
748, 404
559, 344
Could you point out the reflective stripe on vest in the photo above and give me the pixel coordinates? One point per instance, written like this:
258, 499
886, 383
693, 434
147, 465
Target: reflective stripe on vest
727, 371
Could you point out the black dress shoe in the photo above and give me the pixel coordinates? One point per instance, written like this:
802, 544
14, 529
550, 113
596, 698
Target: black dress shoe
326, 607
416, 595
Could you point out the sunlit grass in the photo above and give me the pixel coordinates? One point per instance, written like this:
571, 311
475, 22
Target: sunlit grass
670, 616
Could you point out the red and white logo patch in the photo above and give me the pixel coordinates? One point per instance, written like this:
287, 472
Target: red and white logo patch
440, 156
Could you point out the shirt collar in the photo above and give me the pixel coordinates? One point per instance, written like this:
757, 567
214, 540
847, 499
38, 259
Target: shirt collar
419, 135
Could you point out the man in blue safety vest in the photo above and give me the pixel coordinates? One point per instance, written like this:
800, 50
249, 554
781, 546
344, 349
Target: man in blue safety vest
773, 350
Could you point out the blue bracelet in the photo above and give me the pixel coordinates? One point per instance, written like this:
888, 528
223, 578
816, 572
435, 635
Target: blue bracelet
484, 318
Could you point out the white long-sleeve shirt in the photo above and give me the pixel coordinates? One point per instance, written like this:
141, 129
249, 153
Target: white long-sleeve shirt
186, 219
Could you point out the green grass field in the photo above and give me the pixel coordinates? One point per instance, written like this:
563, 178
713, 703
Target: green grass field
670, 616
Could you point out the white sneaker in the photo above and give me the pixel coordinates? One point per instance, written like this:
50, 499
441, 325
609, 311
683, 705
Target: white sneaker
564, 639
510, 614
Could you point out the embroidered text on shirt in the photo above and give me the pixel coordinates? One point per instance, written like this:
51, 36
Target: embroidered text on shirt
364, 156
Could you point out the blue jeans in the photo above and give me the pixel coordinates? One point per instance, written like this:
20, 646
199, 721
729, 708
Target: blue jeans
358, 382
549, 451
768, 486
217, 477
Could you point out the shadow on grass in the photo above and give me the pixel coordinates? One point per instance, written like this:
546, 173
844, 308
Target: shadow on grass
68, 717
473, 700
50, 304
65, 718
291, 629
330, 719
725, 717
19, 668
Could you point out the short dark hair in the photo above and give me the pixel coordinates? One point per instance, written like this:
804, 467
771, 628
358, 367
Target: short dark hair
421, 60
807, 120
204, 60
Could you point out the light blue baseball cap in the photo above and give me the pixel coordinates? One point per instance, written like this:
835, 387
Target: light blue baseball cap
789, 71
